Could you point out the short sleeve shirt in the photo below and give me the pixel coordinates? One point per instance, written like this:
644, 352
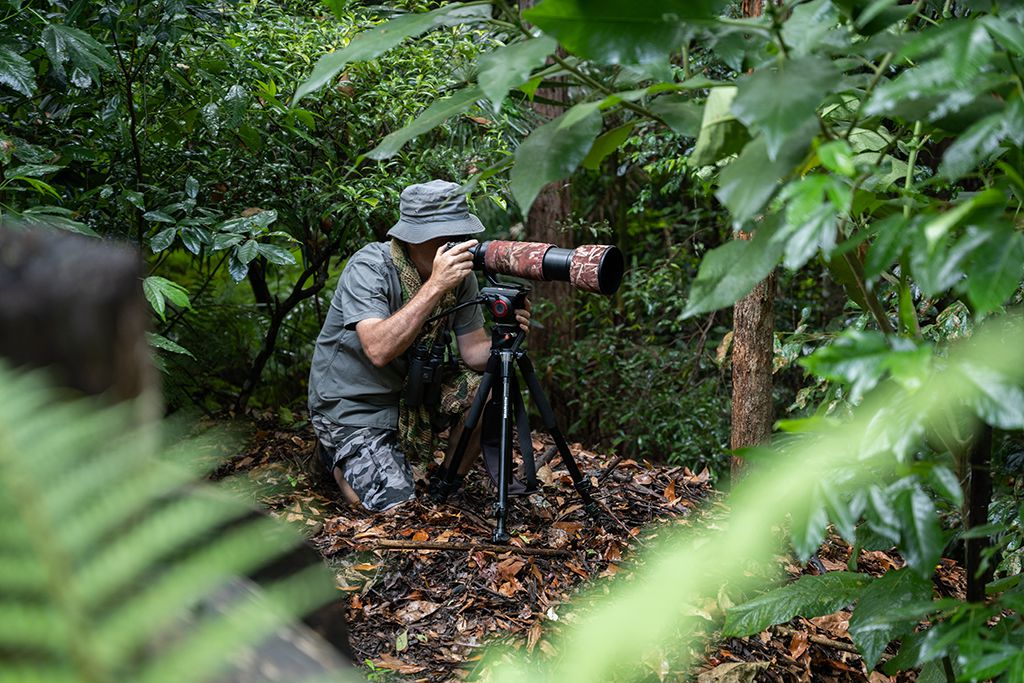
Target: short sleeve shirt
344, 386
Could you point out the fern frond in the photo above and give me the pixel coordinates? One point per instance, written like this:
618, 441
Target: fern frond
110, 558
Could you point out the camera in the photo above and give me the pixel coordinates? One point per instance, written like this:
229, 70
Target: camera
593, 267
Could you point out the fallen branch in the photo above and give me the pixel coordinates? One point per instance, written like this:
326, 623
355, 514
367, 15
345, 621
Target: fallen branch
823, 640
387, 544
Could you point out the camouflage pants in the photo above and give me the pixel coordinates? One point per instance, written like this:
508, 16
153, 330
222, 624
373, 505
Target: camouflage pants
370, 461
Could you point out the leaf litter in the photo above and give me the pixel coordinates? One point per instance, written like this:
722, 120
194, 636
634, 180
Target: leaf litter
426, 614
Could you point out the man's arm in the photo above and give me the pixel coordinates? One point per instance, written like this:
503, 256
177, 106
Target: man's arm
383, 340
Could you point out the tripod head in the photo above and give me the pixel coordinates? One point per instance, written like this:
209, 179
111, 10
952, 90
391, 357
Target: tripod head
502, 300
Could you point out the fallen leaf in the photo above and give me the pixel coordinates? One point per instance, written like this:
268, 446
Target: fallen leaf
402, 641
416, 610
420, 536
386, 661
670, 491
835, 624
532, 637
365, 567
733, 672
798, 644
507, 569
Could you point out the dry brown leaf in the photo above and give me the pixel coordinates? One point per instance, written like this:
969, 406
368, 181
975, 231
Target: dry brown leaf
365, 567
532, 636
416, 610
387, 661
835, 624
507, 569
798, 644
670, 491
420, 536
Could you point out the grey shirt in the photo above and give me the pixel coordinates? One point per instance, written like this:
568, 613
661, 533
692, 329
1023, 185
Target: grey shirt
344, 386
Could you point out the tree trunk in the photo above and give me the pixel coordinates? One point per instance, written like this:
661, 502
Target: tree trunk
551, 209
74, 305
979, 496
752, 351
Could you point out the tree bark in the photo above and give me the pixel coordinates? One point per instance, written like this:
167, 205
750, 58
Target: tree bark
752, 351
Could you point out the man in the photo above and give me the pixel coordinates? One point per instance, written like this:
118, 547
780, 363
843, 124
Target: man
385, 296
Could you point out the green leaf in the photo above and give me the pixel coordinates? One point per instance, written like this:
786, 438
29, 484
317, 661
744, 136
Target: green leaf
275, 254
161, 342
553, 152
995, 398
31, 170
872, 626
808, 596
837, 157
337, 7
1006, 33
810, 220
638, 32
605, 144
510, 66
862, 358
65, 44
890, 240
157, 217
946, 483
937, 268
16, 72
434, 115
236, 268
191, 187
983, 140
247, 252
781, 100
721, 133
194, 239
750, 180
162, 239
157, 289
375, 42
996, 269
921, 537
809, 522
136, 199
224, 240
682, 116
950, 78
730, 271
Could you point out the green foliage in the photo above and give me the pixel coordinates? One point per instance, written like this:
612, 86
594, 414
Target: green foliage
808, 596
880, 142
107, 551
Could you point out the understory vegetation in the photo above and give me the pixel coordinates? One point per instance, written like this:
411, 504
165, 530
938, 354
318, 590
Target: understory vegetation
868, 157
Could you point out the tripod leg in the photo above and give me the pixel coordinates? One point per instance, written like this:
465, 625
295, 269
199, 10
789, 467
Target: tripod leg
447, 479
501, 535
579, 482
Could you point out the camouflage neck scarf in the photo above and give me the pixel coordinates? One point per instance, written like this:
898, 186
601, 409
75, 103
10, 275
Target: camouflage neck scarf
416, 426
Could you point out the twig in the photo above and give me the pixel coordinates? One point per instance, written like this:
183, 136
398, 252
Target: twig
387, 544
822, 640
610, 468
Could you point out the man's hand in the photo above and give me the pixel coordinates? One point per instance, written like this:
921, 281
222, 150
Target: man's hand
523, 315
452, 266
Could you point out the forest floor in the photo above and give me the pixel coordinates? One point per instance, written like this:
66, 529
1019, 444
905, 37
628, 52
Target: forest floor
427, 614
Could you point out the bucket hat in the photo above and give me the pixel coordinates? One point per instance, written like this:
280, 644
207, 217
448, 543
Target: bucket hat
434, 209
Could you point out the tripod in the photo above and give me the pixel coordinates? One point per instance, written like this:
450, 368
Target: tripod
506, 354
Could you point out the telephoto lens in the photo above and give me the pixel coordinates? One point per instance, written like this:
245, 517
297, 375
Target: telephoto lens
594, 268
